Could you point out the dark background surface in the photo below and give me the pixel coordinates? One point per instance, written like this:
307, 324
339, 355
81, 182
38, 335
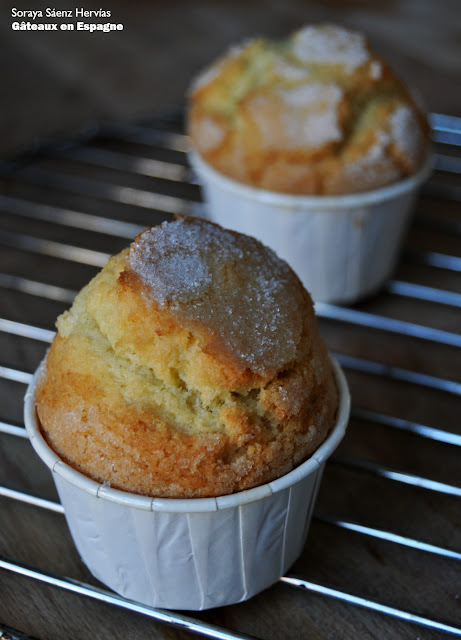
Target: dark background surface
55, 82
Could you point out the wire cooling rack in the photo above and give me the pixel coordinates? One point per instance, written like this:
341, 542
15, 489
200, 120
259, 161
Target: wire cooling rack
384, 550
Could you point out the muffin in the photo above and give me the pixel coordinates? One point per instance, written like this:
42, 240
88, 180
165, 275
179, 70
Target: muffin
191, 366
313, 146
318, 113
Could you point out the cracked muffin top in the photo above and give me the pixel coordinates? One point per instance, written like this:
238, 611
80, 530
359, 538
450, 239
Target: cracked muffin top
317, 113
190, 366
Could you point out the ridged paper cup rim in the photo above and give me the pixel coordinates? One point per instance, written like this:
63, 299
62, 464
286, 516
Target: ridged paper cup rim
186, 505
332, 203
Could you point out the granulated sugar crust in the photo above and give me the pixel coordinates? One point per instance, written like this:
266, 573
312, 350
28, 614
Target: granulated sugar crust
190, 366
331, 45
238, 289
293, 116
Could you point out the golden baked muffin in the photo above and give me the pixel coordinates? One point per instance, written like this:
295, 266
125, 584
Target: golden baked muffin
190, 366
318, 113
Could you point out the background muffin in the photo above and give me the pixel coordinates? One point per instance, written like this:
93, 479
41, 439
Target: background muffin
318, 113
190, 366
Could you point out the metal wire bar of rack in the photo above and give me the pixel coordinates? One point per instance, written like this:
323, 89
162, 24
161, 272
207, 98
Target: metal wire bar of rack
30, 212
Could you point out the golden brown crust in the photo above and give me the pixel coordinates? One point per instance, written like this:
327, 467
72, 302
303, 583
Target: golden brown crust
141, 392
319, 113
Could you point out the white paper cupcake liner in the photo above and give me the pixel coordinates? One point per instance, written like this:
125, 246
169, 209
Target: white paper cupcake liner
342, 247
189, 553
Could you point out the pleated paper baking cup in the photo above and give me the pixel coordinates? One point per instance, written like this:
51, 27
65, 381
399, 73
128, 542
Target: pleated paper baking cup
189, 553
342, 247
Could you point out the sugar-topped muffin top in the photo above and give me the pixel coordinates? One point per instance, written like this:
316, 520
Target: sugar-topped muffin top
231, 284
317, 113
190, 366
